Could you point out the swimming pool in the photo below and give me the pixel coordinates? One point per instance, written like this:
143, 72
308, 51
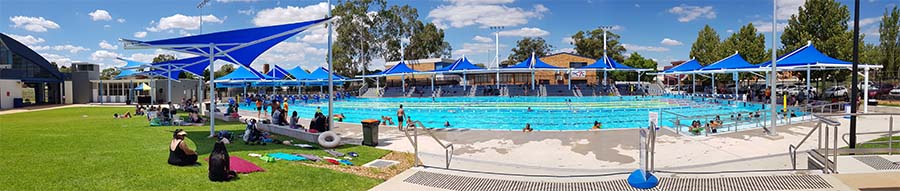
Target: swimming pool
548, 113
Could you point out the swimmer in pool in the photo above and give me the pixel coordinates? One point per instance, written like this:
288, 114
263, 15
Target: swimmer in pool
527, 128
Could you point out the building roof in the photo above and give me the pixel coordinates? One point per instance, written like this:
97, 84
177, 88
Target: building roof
567, 53
28, 54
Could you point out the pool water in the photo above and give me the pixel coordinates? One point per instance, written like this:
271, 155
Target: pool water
548, 113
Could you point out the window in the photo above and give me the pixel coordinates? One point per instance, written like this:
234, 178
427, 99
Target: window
577, 64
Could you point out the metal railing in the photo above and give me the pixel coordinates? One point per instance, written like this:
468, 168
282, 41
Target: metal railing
733, 127
827, 149
414, 140
363, 89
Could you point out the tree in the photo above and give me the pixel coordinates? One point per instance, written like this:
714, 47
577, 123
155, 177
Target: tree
109, 73
590, 44
427, 42
824, 22
163, 57
225, 69
525, 47
749, 43
706, 49
634, 60
356, 40
890, 49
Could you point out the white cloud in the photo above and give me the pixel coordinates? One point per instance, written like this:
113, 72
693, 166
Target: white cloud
316, 35
670, 42
290, 54
179, 21
568, 40
766, 26
59, 59
290, 14
247, 11
865, 21
140, 34
120, 20
632, 47
482, 39
106, 45
637, 5
729, 31
689, 13
100, 15
565, 50
68, 47
483, 15
103, 55
33, 24
786, 8
27, 40
476, 48
525, 32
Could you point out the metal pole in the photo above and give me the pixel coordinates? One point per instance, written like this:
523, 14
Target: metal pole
736, 85
854, 86
330, 74
713, 76
774, 75
866, 91
532, 70
497, 52
169, 84
808, 85
212, 91
693, 83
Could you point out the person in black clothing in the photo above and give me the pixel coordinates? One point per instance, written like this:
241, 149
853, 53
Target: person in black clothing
219, 164
179, 153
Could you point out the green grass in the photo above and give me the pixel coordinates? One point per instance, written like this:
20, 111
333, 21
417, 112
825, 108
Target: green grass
896, 143
86, 149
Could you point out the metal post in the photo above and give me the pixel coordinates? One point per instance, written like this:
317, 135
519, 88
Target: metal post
169, 83
866, 91
416, 145
774, 75
570, 78
808, 86
891, 135
330, 74
713, 76
854, 82
212, 91
693, 83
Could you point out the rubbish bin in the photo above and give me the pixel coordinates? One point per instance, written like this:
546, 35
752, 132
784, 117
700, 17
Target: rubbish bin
370, 132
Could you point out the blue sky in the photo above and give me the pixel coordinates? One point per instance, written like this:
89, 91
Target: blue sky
87, 31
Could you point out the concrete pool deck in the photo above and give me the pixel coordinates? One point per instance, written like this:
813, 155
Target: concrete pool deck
568, 153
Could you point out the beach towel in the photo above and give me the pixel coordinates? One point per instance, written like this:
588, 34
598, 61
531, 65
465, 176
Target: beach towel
334, 153
287, 157
242, 166
346, 162
313, 158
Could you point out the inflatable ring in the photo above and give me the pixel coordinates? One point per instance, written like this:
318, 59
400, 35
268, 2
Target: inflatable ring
329, 139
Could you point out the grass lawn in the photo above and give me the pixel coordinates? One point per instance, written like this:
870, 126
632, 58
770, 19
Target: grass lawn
86, 149
896, 143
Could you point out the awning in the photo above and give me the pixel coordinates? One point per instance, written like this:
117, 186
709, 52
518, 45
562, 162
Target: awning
126, 73
298, 73
242, 74
685, 67
532, 63
733, 63
278, 73
460, 65
143, 87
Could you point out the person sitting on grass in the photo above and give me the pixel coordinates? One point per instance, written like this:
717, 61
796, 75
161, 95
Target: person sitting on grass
527, 128
127, 115
179, 153
219, 164
195, 117
295, 120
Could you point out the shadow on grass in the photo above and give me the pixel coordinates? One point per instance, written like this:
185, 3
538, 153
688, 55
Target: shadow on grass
205, 145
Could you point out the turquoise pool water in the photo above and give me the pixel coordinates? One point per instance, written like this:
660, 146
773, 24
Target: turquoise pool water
548, 113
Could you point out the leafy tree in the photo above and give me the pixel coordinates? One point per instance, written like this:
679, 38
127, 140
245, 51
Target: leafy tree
427, 42
707, 48
109, 73
590, 44
824, 23
356, 42
634, 60
525, 47
890, 49
163, 57
223, 70
749, 43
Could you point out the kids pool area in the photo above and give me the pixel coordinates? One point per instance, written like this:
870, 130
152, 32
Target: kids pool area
547, 113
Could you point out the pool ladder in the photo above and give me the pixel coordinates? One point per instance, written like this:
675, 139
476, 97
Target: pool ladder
415, 125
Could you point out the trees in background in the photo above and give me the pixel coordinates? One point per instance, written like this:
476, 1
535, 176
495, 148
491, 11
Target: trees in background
525, 47
889, 43
707, 48
590, 44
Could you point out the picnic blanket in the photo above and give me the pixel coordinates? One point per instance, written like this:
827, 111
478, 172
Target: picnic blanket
242, 166
285, 156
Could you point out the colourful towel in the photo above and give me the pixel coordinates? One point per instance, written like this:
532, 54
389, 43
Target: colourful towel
313, 158
242, 166
285, 156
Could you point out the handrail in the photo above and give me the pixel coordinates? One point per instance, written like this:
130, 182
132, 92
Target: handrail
416, 125
822, 152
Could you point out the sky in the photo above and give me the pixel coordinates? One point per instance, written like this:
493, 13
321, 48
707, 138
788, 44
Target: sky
663, 30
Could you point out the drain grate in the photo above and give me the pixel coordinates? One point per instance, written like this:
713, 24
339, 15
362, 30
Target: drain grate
878, 162
760, 183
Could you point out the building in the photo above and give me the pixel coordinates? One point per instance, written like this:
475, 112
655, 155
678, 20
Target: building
26, 78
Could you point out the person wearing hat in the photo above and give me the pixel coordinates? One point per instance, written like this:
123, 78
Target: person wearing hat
179, 153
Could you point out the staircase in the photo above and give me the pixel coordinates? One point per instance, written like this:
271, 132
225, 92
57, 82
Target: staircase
363, 89
577, 92
504, 91
655, 89
615, 91
438, 92
542, 92
371, 92
410, 91
473, 91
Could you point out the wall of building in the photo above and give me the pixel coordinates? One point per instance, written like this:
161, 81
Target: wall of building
9, 90
67, 92
564, 61
82, 87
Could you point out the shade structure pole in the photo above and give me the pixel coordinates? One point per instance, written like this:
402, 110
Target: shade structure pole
713, 76
403, 82
131, 91
212, 90
736, 85
465, 80
169, 84
866, 90
693, 84
432, 83
570, 79
808, 86
604, 77
774, 75
532, 70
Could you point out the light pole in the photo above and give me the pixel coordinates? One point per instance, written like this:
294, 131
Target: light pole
497, 51
212, 73
774, 75
606, 29
330, 72
197, 93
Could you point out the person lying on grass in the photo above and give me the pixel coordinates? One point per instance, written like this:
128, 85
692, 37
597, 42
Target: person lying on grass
179, 153
219, 164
